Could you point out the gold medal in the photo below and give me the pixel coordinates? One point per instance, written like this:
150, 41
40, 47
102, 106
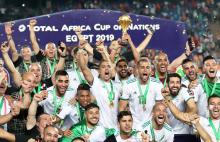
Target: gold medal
111, 104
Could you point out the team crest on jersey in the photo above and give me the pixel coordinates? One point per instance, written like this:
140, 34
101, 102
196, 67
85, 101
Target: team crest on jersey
191, 93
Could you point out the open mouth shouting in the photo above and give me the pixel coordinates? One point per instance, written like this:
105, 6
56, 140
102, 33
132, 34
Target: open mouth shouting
160, 119
163, 68
211, 73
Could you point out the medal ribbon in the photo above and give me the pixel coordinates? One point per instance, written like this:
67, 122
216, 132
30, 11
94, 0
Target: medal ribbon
57, 104
80, 113
38, 89
217, 133
1, 104
26, 66
111, 94
143, 97
82, 81
153, 134
21, 95
157, 77
51, 66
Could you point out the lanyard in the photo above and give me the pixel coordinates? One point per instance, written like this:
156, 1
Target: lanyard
153, 134
1, 104
157, 77
116, 59
143, 97
80, 112
217, 133
82, 81
25, 66
21, 95
111, 94
57, 104
38, 89
206, 87
51, 66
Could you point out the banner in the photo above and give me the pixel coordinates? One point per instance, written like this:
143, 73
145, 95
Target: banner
170, 36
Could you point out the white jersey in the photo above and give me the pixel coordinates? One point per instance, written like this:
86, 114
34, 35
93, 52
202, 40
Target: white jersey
108, 110
141, 112
135, 137
164, 135
180, 102
98, 134
69, 115
205, 124
200, 97
4, 110
65, 109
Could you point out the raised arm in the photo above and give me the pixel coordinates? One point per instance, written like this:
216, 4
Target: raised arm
115, 49
133, 48
182, 116
82, 40
83, 66
7, 136
15, 74
8, 31
15, 110
26, 93
102, 49
61, 63
31, 118
33, 38
146, 41
178, 61
202, 132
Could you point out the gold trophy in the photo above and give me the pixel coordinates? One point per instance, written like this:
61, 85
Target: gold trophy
124, 21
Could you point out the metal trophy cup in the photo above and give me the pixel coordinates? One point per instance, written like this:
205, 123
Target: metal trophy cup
124, 21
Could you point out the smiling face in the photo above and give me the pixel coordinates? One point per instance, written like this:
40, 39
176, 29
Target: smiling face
83, 97
62, 83
26, 53
92, 116
144, 71
50, 50
122, 69
174, 85
210, 68
159, 114
190, 70
162, 63
214, 107
105, 71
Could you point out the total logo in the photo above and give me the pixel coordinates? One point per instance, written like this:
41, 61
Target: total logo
22, 28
